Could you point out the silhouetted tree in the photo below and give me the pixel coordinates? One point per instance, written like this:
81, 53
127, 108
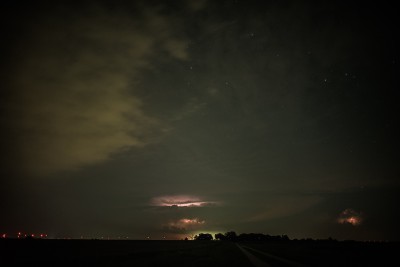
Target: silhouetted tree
285, 238
251, 237
261, 237
202, 236
231, 236
220, 236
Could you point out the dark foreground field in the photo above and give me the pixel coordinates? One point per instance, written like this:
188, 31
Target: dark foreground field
324, 253
120, 253
194, 253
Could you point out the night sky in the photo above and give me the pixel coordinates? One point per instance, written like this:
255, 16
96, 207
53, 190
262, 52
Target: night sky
169, 118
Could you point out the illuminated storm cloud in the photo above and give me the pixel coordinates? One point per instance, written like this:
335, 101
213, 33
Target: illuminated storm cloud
187, 223
183, 226
349, 216
181, 201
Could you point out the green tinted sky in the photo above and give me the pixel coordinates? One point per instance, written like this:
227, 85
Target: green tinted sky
150, 118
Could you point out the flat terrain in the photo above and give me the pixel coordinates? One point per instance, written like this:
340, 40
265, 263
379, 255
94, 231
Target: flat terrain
15, 252
323, 253
120, 253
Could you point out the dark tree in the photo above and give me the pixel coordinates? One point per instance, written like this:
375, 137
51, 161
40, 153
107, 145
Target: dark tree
202, 236
231, 236
220, 236
285, 238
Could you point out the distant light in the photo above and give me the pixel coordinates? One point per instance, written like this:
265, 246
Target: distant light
350, 216
4, 235
32, 235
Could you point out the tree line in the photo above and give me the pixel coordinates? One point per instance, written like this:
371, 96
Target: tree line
232, 236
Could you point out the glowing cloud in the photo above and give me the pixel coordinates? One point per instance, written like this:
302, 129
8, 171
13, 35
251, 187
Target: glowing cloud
73, 99
180, 201
349, 216
187, 223
184, 225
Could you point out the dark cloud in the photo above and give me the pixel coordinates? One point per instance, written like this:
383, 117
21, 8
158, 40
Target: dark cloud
73, 97
252, 117
184, 226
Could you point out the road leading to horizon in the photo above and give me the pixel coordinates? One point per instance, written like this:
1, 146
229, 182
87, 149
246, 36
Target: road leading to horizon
253, 259
320, 253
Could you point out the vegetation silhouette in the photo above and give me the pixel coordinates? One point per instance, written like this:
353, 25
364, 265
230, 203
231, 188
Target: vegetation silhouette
202, 236
276, 250
232, 236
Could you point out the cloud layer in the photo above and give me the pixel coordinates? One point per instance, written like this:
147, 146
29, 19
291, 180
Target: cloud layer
184, 225
73, 97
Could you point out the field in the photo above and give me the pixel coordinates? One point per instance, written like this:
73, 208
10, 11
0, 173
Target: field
323, 253
15, 252
120, 253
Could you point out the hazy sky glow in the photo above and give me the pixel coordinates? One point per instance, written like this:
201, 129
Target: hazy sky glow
168, 118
